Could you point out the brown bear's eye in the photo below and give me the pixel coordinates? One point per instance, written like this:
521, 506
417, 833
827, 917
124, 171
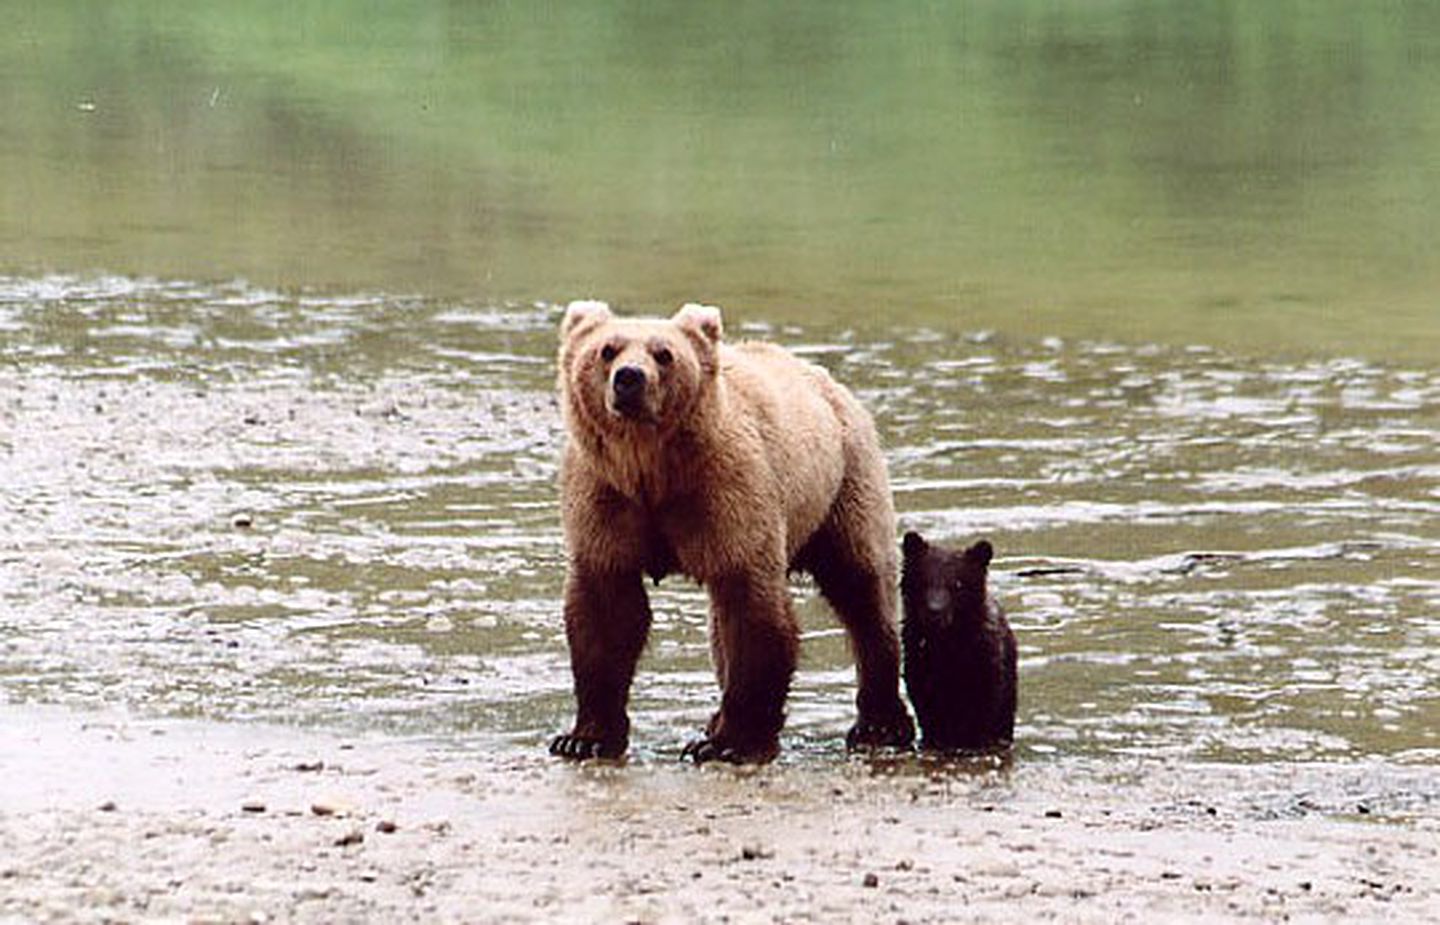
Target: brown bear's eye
664, 357
609, 352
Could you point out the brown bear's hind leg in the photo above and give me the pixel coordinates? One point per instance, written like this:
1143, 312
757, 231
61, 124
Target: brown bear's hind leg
607, 618
758, 641
861, 590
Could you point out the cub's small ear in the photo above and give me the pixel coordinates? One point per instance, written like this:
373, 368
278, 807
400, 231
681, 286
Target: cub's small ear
702, 318
581, 313
913, 544
981, 553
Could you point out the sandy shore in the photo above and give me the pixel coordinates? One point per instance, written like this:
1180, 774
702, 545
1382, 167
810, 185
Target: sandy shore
115, 819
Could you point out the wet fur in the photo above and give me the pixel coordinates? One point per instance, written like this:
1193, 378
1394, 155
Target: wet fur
960, 653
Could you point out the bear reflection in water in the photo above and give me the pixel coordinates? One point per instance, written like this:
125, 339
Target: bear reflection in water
959, 648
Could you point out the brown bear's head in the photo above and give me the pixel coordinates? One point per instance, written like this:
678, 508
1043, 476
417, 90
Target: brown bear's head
627, 374
939, 586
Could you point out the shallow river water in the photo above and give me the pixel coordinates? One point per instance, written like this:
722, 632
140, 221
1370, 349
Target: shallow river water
1144, 292
227, 502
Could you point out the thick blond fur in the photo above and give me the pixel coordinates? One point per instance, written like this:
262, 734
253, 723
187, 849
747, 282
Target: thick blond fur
741, 462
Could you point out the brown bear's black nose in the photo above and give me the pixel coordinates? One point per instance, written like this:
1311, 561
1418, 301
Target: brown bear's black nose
629, 383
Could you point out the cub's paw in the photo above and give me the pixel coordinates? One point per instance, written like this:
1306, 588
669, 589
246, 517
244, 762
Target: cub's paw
712, 748
579, 748
896, 732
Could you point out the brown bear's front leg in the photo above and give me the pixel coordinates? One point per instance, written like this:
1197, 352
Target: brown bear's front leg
607, 617
755, 641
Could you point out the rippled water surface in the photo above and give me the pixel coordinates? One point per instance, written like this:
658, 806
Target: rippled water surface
228, 502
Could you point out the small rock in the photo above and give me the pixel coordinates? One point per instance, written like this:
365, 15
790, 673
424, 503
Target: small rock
1052, 814
905, 864
386, 826
312, 893
353, 837
755, 853
309, 766
871, 881
252, 806
243, 521
107, 807
332, 806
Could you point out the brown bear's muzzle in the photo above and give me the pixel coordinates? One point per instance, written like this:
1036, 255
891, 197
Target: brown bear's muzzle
627, 391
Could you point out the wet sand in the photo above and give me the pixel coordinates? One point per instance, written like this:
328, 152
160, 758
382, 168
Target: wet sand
110, 818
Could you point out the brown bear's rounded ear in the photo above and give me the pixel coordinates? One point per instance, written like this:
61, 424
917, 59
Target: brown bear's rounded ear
980, 553
702, 318
913, 544
581, 314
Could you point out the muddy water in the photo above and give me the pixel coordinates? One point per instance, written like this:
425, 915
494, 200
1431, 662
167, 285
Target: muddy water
226, 502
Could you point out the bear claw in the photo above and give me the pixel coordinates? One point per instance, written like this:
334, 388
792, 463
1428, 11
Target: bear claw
703, 750
707, 749
868, 734
581, 748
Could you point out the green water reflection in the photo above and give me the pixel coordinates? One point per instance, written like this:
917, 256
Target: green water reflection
1259, 176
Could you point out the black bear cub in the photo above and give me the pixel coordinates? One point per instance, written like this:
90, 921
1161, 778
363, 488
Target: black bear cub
958, 647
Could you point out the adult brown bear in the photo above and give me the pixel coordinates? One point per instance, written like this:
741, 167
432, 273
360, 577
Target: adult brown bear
732, 464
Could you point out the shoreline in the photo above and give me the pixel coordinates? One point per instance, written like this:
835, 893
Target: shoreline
115, 818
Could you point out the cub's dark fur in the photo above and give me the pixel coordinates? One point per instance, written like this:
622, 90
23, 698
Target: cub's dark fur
958, 646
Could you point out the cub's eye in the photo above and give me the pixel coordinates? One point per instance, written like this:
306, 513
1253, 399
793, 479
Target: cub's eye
609, 352
664, 357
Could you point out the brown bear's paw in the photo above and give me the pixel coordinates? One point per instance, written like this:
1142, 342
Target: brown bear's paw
896, 731
716, 748
580, 747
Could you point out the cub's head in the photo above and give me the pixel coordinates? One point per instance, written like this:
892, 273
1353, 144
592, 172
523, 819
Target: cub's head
627, 375
941, 586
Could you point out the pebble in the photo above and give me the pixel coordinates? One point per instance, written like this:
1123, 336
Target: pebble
386, 826
353, 837
311, 893
107, 807
242, 521
871, 881
252, 806
332, 806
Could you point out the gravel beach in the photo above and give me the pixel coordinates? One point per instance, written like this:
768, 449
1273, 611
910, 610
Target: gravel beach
114, 819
